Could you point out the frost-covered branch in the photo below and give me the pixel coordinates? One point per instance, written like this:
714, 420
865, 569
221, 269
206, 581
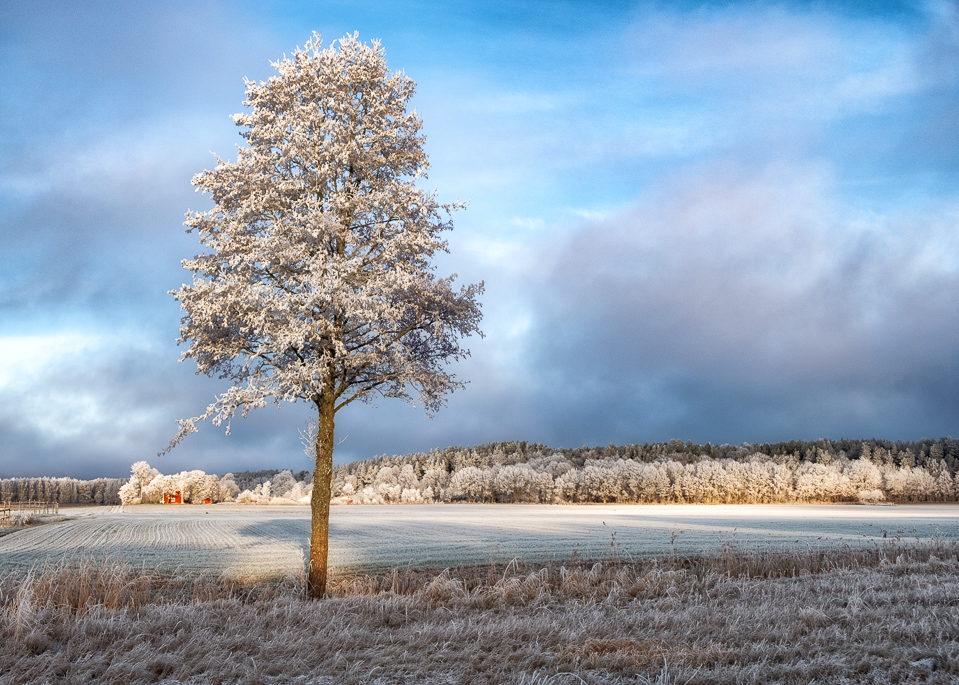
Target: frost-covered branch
317, 273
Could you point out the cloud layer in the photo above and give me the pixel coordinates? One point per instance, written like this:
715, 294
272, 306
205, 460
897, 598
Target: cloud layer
736, 304
722, 222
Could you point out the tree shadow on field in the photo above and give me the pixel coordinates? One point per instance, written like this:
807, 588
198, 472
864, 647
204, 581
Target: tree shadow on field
382, 538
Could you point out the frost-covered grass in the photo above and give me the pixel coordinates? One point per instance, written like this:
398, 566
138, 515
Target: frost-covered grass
21, 520
885, 613
249, 542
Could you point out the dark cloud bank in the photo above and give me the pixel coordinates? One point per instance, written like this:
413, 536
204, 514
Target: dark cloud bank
736, 306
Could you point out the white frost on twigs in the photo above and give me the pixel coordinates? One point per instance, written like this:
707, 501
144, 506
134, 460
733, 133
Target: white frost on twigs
317, 280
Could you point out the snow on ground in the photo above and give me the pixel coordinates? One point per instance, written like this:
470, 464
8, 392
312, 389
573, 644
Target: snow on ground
255, 542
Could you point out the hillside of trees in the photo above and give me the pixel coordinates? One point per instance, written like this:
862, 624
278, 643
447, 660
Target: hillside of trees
674, 472
62, 490
250, 480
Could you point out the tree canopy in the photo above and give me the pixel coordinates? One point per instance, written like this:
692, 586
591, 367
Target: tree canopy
318, 283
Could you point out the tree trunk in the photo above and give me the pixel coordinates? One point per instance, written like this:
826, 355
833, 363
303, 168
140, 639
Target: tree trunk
320, 500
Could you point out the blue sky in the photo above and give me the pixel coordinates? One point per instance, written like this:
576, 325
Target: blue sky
711, 221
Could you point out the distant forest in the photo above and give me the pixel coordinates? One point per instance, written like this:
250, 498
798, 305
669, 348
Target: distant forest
795, 471
250, 480
62, 490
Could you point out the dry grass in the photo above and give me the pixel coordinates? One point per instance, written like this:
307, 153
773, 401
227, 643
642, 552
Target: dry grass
886, 614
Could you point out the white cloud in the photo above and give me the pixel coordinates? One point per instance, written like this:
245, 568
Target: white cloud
590, 215
505, 255
50, 385
24, 358
764, 287
532, 223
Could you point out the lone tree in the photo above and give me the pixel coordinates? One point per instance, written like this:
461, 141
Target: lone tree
317, 284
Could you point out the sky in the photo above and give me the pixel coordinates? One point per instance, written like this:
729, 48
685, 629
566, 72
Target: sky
721, 222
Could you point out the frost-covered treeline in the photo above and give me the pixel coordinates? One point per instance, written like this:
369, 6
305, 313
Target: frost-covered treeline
62, 490
147, 486
249, 480
283, 488
822, 471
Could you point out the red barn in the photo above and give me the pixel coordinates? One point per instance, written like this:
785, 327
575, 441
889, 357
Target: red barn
172, 497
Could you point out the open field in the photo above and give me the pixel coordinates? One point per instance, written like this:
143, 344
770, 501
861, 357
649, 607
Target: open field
262, 542
681, 594
885, 613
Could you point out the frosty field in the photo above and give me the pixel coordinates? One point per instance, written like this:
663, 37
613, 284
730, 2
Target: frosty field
251, 543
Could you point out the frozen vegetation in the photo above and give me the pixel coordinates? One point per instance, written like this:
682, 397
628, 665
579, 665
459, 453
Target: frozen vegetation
675, 472
885, 613
513, 472
525, 594
62, 490
148, 486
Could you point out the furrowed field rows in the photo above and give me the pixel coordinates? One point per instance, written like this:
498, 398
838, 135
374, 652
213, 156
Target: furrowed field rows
261, 542
179, 540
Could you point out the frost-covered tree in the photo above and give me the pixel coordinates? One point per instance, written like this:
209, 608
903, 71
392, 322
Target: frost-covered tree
193, 486
129, 494
864, 476
143, 474
152, 492
473, 483
567, 486
435, 480
258, 495
406, 478
515, 482
283, 483
385, 476
411, 496
228, 488
945, 484
317, 282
